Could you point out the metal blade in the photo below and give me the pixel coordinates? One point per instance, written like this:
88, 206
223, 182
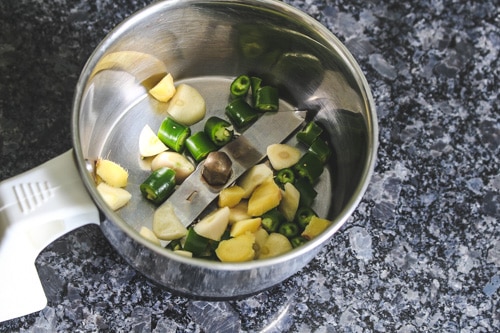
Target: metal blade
192, 197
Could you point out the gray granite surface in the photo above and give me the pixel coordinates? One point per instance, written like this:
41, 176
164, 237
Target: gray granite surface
420, 254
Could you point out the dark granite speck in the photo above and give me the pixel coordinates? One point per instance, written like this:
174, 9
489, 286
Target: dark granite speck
420, 254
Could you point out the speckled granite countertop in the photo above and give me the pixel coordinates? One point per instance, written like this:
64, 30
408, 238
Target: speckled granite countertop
422, 251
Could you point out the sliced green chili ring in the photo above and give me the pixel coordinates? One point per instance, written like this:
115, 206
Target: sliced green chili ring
284, 176
309, 166
309, 133
321, 149
219, 131
199, 146
303, 216
195, 243
271, 220
306, 190
159, 185
267, 99
173, 134
241, 113
240, 86
298, 241
289, 229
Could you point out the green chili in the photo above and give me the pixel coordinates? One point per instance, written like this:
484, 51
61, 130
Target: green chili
252, 41
284, 176
309, 166
199, 146
240, 86
289, 229
213, 244
175, 245
321, 149
303, 216
255, 83
306, 190
159, 185
309, 133
271, 220
298, 241
219, 131
241, 113
195, 243
266, 99
173, 134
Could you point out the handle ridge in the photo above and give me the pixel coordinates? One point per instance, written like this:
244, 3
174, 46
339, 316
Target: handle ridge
36, 208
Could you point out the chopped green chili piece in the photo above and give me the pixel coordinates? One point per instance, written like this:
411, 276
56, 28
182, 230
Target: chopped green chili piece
226, 235
173, 134
219, 131
240, 86
309, 133
175, 245
306, 190
241, 113
255, 83
298, 241
309, 167
284, 176
271, 220
267, 99
303, 216
159, 185
212, 246
199, 146
289, 229
195, 243
321, 149
252, 41
300, 67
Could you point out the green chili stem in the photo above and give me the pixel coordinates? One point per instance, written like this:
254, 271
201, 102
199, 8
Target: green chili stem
199, 146
309, 133
173, 134
267, 99
240, 86
241, 113
159, 185
309, 166
219, 131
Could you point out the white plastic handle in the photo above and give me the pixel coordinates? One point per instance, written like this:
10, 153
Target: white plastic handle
36, 208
